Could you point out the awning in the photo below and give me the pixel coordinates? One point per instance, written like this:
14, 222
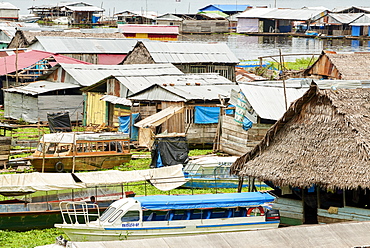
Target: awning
12, 184
227, 200
165, 178
160, 117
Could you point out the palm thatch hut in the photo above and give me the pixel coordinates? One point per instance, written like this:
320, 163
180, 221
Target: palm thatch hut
317, 156
344, 66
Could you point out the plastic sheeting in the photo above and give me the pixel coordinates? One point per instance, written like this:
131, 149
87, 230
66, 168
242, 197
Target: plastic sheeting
124, 125
170, 150
166, 178
229, 200
206, 115
59, 122
31, 182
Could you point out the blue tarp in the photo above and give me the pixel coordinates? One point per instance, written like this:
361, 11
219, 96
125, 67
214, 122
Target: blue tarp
206, 115
124, 125
247, 124
228, 200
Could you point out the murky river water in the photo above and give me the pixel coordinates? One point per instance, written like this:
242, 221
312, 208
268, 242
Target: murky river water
251, 47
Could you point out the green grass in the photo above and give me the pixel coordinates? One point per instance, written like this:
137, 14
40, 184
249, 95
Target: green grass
29, 239
298, 64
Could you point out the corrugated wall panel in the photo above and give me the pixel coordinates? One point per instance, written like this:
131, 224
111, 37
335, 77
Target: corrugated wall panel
52, 104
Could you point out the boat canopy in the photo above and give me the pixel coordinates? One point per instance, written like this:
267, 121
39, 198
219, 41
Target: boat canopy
18, 184
228, 200
68, 138
166, 178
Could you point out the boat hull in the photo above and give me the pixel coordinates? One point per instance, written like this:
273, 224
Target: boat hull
82, 163
132, 231
206, 183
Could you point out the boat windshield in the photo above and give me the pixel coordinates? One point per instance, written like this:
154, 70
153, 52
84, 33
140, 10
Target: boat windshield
107, 213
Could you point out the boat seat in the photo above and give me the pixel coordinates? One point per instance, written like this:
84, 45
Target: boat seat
151, 217
207, 214
187, 214
169, 216
228, 213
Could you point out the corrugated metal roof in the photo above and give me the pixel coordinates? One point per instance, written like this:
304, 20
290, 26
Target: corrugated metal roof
138, 83
345, 18
227, 7
40, 87
283, 14
177, 52
85, 8
87, 75
362, 21
116, 100
7, 5
269, 102
56, 44
185, 93
148, 29
28, 58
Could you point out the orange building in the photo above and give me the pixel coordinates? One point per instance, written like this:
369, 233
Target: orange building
151, 32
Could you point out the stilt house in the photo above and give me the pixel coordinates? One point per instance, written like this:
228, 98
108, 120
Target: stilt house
317, 158
188, 57
344, 66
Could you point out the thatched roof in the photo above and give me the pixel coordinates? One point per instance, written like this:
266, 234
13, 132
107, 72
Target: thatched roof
346, 66
322, 139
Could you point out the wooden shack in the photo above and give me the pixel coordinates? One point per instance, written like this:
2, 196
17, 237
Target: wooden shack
24, 38
106, 99
151, 32
104, 51
261, 103
198, 95
79, 12
188, 57
344, 66
8, 11
316, 157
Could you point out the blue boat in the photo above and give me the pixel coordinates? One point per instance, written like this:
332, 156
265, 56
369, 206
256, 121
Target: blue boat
173, 215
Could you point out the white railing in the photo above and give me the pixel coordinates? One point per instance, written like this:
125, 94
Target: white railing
72, 210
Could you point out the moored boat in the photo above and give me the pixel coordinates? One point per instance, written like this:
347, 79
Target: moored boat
165, 215
213, 172
76, 151
36, 196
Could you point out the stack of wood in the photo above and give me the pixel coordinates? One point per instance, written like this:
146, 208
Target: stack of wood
5, 144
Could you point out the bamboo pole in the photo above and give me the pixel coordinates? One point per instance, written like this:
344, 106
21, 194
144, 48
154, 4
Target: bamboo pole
74, 152
284, 85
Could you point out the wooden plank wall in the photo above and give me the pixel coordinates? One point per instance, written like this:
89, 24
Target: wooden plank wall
200, 133
5, 145
176, 124
95, 109
290, 209
233, 138
335, 215
90, 58
144, 110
